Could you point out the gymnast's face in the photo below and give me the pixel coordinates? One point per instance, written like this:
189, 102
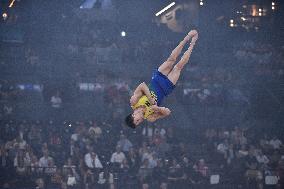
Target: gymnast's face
138, 116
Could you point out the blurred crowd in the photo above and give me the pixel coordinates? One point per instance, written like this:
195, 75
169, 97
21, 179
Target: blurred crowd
92, 154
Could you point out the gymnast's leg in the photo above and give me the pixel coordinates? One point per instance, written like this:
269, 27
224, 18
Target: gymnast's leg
167, 66
175, 72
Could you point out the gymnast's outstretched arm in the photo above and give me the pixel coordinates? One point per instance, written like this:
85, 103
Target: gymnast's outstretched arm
141, 90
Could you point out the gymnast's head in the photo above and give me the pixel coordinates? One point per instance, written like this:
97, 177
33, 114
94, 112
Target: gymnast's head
134, 119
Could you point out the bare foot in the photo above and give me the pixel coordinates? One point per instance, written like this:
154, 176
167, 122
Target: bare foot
190, 34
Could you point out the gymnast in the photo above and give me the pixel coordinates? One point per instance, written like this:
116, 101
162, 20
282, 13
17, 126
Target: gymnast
147, 99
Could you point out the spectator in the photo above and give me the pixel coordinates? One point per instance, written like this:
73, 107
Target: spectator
45, 159
56, 179
89, 179
261, 158
34, 136
275, 143
95, 131
243, 152
144, 170
223, 147
19, 141
106, 179
160, 173
20, 163
34, 164
252, 173
133, 159
124, 143
92, 161
71, 179
56, 101
201, 168
118, 156
40, 184
70, 167
176, 176
51, 169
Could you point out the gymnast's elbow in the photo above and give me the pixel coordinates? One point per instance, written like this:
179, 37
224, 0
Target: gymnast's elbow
167, 112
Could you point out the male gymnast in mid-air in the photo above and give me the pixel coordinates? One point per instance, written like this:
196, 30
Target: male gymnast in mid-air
146, 100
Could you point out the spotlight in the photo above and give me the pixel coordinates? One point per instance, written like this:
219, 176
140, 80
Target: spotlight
12, 3
201, 3
272, 3
166, 8
4, 15
123, 34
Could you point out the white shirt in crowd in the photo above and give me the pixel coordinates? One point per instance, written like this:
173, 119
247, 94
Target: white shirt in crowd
117, 157
74, 137
56, 101
275, 143
222, 148
96, 130
22, 144
93, 163
262, 159
43, 161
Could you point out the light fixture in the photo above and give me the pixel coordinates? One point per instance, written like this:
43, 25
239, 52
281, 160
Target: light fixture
273, 8
4, 15
12, 3
259, 10
231, 25
231, 21
123, 34
259, 14
166, 8
272, 3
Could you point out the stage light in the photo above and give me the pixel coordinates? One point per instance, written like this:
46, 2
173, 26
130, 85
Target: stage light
232, 25
12, 3
231, 21
166, 8
4, 15
272, 3
259, 14
123, 34
259, 10
273, 8
201, 3
243, 18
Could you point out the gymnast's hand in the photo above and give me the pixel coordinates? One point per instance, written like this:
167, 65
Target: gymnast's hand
192, 33
133, 100
153, 101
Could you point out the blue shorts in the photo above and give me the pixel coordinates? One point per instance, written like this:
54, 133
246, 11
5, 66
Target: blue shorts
161, 85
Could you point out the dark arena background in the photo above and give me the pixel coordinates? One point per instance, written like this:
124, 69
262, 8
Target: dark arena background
69, 67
